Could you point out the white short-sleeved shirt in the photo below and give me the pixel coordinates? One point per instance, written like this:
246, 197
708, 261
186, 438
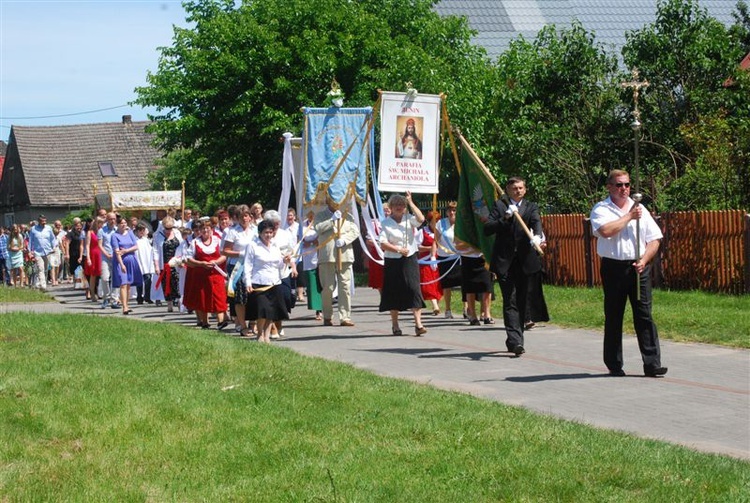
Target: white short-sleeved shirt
622, 245
240, 239
401, 234
263, 264
445, 240
286, 244
309, 254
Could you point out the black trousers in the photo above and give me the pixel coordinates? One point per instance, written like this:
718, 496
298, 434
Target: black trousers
143, 290
514, 285
4, 271
620, 285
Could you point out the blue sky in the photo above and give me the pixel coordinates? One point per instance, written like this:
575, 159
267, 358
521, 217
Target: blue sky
59, 58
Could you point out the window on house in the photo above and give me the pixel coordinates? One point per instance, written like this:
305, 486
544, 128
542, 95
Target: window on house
107, 168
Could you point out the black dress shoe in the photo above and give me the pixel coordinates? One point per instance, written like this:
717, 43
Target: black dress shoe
518, 350
655, 372
617, 373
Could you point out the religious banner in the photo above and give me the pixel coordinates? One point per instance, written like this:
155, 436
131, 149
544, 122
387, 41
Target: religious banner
476, 196
410, 141
140, 201
338, 144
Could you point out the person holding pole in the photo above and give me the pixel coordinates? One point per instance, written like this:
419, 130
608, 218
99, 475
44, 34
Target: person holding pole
514, 257
399, 241
336, 234
626, 272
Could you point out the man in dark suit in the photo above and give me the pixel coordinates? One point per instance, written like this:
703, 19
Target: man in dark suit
513, 256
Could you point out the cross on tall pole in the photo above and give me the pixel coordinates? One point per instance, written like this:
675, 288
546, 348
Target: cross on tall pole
636, 85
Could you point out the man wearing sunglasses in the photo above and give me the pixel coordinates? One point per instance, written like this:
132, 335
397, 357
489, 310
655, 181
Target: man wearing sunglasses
615, 222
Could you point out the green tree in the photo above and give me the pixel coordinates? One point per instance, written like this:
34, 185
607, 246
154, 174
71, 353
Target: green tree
558, 117
741, 27
230, 86
687, 57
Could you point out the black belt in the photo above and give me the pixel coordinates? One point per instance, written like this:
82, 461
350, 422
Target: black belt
629, 261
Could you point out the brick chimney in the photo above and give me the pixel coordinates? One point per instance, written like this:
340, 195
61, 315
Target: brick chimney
127, 119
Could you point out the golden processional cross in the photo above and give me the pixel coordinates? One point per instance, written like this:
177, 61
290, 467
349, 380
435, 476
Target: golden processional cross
636, 85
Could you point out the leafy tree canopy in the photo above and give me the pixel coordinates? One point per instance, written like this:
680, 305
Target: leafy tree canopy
229, 87
558, 117
550, 109
687, 57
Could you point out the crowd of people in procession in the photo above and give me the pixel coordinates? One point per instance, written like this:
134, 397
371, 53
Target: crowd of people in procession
249, 267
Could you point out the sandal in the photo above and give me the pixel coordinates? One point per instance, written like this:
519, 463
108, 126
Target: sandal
488, 321
247, 333
419, 331
397, 331
222, 325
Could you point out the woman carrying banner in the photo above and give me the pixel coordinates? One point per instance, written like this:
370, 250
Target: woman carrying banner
399, 242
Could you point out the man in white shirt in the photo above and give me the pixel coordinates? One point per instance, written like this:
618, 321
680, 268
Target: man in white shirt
617, 222
41, 245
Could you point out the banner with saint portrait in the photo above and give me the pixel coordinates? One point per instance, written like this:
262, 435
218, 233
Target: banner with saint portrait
410, 140
338, 147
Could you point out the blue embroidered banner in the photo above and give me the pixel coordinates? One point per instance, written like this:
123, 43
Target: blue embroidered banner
337, 152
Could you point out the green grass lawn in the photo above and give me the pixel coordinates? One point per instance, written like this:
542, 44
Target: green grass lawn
685, 316
99, 409
23, 295
679, 316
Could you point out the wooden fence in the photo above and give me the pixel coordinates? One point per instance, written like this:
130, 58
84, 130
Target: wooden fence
708, 250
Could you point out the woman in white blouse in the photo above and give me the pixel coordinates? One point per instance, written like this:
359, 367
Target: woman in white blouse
399, 240
236, 241
263, 266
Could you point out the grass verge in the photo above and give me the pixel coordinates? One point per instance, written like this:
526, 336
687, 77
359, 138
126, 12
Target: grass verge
23, 295
690, 316
95, 409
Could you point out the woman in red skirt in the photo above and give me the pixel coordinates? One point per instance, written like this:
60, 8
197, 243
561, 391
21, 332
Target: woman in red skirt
205, 284
428, 273
92, 264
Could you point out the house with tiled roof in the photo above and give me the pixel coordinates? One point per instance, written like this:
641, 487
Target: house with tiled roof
56, 169
3, 149
497, 22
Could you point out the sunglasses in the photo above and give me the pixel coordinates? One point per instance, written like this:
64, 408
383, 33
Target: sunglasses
621, 184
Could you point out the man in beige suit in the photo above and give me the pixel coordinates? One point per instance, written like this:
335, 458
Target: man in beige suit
336, 233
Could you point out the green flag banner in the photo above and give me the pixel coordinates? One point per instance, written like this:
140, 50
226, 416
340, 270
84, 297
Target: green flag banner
476, 196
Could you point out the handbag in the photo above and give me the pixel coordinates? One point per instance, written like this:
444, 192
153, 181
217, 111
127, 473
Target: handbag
78, 278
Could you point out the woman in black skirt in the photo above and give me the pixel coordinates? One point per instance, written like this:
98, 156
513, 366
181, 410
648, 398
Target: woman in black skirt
262, 269
476, 284
399, 241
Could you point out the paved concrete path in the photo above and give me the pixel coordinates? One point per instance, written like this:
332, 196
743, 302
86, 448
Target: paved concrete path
702, 403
